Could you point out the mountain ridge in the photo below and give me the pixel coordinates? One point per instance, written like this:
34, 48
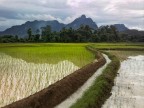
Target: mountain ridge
21, 30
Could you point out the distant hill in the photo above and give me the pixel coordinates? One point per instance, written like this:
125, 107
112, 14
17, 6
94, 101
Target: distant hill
121, 27
21, 30
82, 21
139, 35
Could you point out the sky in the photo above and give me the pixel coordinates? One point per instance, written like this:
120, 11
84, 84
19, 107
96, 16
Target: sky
103, 12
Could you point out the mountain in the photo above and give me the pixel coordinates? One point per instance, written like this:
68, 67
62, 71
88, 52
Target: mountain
121, 27
82, 21
21, 30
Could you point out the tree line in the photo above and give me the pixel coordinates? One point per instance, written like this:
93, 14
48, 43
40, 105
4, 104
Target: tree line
83, 34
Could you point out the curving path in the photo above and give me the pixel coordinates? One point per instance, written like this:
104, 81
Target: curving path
78, 94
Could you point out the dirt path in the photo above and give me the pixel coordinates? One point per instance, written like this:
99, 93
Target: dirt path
128, 91
78, 94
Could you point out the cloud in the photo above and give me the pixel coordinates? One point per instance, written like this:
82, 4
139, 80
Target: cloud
6, 23
31, 17
129, 12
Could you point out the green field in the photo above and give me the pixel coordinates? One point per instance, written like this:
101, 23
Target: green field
76, 53
121, 50
49, 53
99, 91
31, 67
123, 55
119, 46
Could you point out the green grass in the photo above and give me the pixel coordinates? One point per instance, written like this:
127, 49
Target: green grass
119, 46
49, 52
121, 50
123, 55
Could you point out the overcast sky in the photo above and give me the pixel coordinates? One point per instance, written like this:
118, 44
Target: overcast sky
128, 12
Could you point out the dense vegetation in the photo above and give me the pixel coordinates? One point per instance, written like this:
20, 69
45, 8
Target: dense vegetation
82, 34
49, 53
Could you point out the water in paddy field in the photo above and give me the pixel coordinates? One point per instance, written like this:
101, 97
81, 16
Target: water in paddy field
128, 91
19, 79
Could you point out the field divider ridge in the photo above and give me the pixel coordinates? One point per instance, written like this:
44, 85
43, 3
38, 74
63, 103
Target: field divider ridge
100, 91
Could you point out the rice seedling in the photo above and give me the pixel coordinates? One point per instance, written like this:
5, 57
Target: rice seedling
19, 79
121, 50
29, 68
49, 53
119, 46
56, 93
123, 55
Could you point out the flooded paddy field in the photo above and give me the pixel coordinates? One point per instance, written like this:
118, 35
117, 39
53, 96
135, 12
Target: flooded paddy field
129, 85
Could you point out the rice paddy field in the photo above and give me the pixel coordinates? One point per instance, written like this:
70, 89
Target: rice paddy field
121, 50
119, 46
123, 55
49, 53
128, 91
128, 88
28, 68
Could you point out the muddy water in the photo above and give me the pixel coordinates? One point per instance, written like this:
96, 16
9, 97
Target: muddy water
128, 91
19, 79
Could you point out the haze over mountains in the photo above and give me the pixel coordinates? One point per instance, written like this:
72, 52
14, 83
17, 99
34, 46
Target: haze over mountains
21, 30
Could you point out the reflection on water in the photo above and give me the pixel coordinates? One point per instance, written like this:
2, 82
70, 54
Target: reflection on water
128, 91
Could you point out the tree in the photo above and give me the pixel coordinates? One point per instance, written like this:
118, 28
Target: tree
37, 31
29, 32
46, 33
85, 33
115, 33
88, 33
37, 35
16, 38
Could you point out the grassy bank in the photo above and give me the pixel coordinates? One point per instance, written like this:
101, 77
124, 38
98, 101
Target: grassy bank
97, 94
51, 53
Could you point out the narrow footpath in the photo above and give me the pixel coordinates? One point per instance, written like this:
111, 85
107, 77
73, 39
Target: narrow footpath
78, 94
